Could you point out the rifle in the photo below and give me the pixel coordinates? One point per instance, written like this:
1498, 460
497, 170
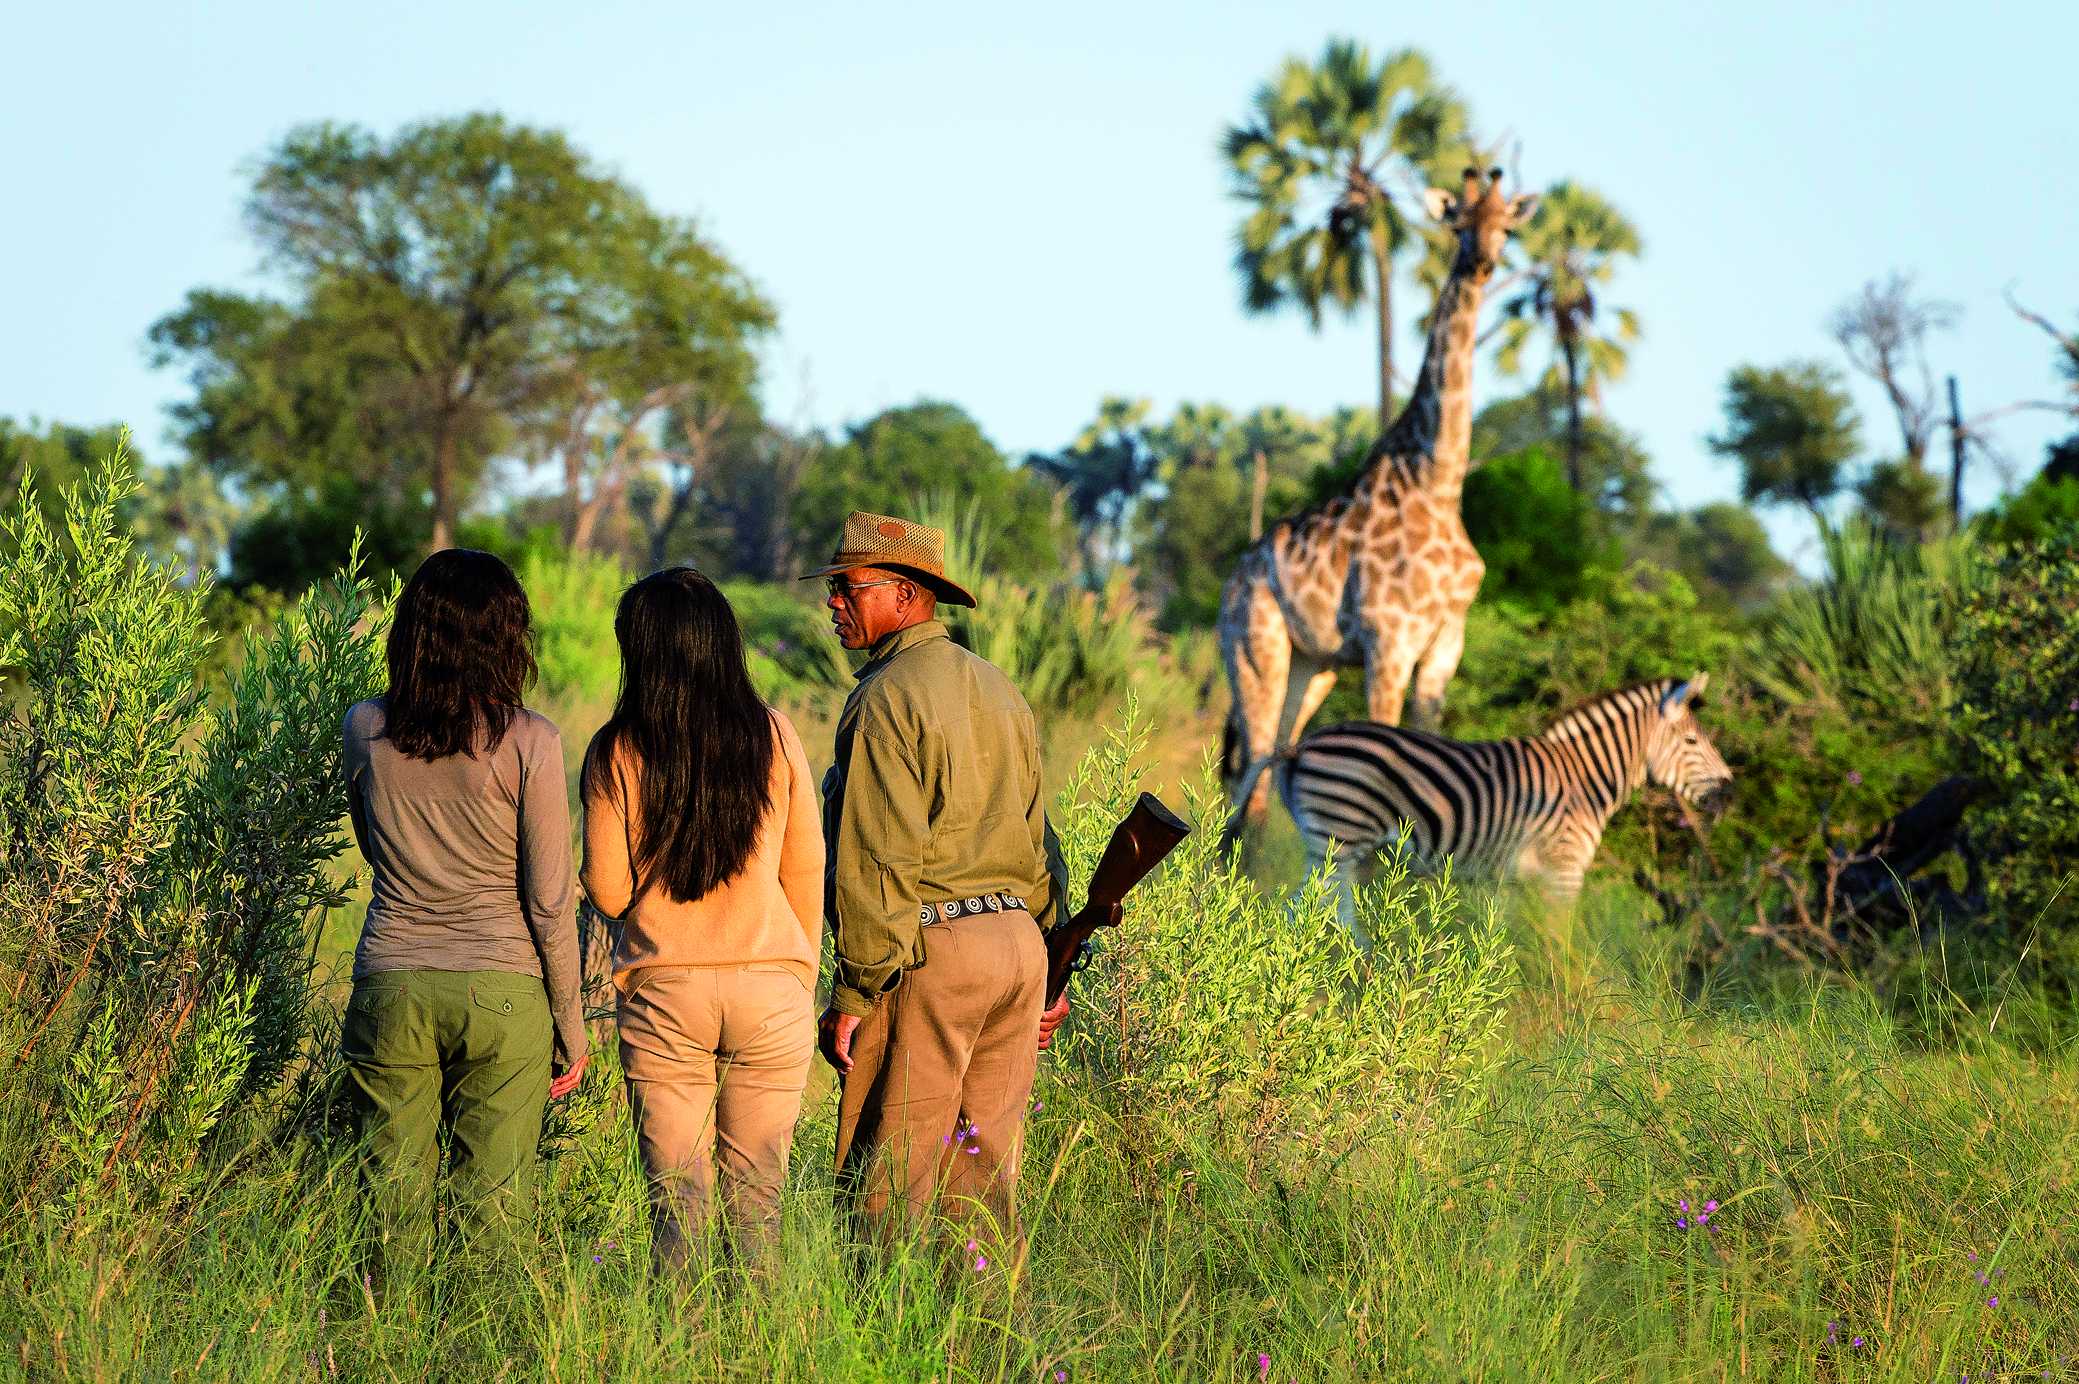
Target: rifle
1150, 832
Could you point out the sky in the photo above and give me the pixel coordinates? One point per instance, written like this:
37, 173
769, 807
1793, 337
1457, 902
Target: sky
1022, 209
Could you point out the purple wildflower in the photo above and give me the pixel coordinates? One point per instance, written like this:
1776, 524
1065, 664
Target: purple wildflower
1262, 1366
596, 1259
1854, 778
981, 1262
1858, 1343
1993, 1301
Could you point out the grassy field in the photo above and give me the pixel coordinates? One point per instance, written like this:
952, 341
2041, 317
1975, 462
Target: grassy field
1875, 1211
1505, 1146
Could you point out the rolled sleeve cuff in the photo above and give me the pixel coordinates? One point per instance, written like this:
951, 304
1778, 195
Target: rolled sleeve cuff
846, 1000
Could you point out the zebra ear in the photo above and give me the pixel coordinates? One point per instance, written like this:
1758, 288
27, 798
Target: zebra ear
1684, 693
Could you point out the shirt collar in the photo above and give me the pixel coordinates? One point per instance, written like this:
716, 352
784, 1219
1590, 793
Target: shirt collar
907, 637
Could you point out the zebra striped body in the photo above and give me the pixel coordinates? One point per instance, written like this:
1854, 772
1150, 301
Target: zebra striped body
1534, 806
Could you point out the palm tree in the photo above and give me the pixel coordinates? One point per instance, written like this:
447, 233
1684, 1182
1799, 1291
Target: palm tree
1571, 247
1318, 162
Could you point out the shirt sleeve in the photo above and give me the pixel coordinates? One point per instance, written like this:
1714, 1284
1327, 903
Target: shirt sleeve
545, 889
609, 872
353, 760
801, 846
882, 829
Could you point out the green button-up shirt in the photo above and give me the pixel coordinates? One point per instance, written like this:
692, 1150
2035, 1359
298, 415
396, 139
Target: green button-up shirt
935, 795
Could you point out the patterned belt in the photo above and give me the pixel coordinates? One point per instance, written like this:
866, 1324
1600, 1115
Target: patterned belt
966, 908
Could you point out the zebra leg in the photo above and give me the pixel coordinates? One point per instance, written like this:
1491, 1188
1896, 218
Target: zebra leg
1331, 854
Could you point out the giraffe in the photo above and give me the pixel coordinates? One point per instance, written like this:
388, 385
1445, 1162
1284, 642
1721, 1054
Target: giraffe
1383, 575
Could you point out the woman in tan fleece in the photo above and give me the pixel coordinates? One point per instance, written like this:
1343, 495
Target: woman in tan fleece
702, 834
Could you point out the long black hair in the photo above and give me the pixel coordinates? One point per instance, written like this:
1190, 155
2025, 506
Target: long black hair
461, 653
701, 738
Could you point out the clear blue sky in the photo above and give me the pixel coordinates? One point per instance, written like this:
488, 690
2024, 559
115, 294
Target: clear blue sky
1021, 209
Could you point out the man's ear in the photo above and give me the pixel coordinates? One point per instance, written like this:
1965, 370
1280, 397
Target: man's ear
1440, 205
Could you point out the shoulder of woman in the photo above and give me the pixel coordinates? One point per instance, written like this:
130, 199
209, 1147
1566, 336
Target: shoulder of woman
533, 728
364, 720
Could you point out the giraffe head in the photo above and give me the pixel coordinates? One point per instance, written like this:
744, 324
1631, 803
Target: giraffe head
1482, 219
1679, 755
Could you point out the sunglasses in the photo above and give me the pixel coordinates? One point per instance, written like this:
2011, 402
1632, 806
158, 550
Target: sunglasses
843, 590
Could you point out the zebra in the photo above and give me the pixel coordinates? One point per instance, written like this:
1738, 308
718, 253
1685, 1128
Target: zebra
1534, 806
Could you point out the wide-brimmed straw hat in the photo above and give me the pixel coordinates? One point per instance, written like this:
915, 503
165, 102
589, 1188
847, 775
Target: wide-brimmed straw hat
881, 540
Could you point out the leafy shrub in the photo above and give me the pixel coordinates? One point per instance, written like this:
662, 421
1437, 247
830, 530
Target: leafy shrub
1873, 636
2042, 508
1251, 1024
793, 653
160, 864
1538, 535
2017, 726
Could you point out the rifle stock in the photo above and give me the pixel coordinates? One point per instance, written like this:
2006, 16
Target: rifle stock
1150, 832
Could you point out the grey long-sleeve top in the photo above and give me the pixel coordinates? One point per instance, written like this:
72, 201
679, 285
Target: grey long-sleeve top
472, 861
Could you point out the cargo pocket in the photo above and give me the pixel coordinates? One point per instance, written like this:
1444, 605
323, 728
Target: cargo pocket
367, 1030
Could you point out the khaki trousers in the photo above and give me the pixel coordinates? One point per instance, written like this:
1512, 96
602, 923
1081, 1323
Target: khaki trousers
717, 1058
941, 1079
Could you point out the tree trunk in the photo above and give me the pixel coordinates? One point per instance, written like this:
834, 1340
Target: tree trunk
1573, 410
1956, 459
443, 486
1382, 265
1259, 487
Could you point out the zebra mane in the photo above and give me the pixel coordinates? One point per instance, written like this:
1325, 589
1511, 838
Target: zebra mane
1608, 708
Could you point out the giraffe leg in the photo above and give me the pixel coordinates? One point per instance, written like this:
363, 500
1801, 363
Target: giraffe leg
1309, 686
1433, 674
1258, 651
1388, 660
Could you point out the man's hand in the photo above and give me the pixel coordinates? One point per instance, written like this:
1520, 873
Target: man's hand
834, 1035
1050, 1019
564, 1083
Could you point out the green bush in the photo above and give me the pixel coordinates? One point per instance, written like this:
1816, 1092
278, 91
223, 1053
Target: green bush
2017, 726
1873, 637
162, 864
1540, 538
1237, 1021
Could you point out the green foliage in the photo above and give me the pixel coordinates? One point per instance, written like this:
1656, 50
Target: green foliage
1314, 162
1874, 637
163, 862
1905, 499
1237, 1021
462, 288
1521, 670
787, 637
1791, 428
2016, 724
2043, 507
1536, 533
1615, 470
1721, 549
1571, 248
888, 462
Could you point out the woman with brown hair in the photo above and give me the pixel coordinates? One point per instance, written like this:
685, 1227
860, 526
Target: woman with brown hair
466, 976
703, 834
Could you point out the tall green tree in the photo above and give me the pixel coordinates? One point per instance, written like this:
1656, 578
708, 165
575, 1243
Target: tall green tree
1615, 474
1792, 429
1571, 248
458, 288
1326, 152
1883, 330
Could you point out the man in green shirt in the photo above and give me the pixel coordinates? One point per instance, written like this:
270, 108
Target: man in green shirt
942, 874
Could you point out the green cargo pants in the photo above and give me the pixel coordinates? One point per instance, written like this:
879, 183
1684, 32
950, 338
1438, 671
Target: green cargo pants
464, 1050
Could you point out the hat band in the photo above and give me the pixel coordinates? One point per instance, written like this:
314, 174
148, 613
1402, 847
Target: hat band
879, 560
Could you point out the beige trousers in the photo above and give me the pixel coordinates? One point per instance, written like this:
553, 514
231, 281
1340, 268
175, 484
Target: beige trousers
716, 1058
941, 1079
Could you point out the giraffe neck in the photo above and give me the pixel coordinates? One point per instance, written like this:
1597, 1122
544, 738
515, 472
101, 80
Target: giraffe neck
1435, 428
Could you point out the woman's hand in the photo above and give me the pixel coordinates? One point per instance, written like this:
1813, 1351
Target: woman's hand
564, 1083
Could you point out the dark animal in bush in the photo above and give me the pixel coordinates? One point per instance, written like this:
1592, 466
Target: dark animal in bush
1535, 806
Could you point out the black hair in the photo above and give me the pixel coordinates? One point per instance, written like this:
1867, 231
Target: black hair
701, 738
461, 653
